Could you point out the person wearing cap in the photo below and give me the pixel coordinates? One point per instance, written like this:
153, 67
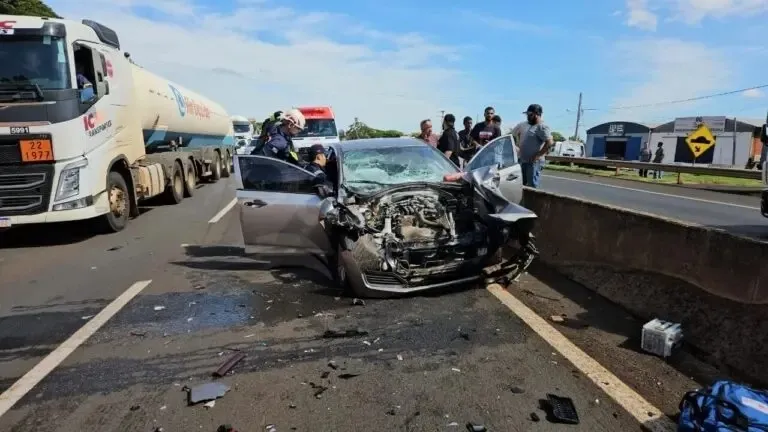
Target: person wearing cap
279, 144
449, 140
533, 139
316, 166
484, 131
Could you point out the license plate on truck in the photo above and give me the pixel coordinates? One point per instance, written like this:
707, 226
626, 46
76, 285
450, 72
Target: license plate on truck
5, 222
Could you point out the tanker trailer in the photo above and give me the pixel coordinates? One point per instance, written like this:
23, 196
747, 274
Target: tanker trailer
74, 149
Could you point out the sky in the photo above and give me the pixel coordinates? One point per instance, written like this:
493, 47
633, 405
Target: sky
391, 64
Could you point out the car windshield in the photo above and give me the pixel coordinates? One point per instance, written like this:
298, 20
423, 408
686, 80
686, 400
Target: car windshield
369, 170
40, 60
241, 128
319, 128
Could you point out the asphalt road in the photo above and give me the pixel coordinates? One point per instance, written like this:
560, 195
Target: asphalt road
739, 214
432, 362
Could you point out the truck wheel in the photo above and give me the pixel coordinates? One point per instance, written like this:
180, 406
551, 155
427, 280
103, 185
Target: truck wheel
226, 166
175, 192
216, 168
119, 204
191, 180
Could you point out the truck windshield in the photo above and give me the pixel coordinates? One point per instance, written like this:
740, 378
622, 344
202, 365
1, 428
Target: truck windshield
241, 128
39, 60
319, 128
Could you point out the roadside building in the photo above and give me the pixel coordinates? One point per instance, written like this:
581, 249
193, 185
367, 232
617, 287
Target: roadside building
617, 140
735, 140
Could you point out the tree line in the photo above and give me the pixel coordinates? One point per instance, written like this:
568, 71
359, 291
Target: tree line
27, 7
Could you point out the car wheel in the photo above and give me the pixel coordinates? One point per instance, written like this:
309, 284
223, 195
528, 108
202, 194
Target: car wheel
352, 274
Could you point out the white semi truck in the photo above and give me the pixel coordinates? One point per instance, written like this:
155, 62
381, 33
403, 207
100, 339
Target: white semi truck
86, 133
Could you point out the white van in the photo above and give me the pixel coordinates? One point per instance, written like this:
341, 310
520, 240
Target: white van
568, 149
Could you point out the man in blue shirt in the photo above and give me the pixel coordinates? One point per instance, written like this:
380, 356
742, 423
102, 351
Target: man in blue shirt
533, 139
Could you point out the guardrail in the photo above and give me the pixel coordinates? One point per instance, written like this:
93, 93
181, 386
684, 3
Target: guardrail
675, 168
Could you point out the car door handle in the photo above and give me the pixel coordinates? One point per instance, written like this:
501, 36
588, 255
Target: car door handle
512, 177
255, 203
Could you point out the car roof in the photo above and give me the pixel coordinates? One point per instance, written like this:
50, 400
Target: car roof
378, 143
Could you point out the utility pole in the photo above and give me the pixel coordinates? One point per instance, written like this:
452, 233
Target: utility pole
442, 114
578, 119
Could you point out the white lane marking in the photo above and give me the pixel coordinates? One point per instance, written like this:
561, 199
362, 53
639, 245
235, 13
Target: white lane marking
642, 410
654, 193
26, 383
223, 211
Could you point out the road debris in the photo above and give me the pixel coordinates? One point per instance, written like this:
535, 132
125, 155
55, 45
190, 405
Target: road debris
325, 375
229, 364
557, 318
399, 357
347, 376
114, 248
292, 405
337, 334
561, 409
319, 390
271, 428
332, 364
87, 317
529, 292
453, 424
210, 404
138, 333
517, 390
226, 428
358, 302
471, 427
535, 417
207, 392
135, 407
159, 308
456, 369
249, 335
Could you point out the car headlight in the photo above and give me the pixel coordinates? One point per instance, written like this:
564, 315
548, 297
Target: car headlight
69, 180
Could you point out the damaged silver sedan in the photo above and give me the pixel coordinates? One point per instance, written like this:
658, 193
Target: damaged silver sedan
402, 217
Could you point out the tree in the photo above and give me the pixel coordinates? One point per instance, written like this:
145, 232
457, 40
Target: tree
360, 130
557, 136
26, 7
575, 138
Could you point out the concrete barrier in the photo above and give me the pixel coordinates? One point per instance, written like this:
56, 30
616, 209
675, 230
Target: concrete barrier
714, 283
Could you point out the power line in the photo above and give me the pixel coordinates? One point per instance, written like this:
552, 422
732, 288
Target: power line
679, 101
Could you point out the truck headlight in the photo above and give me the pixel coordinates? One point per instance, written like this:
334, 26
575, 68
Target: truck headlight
69, 180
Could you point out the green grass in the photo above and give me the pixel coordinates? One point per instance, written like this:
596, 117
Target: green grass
669, 178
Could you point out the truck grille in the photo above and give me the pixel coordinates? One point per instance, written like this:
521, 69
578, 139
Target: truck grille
25, 189
9, 151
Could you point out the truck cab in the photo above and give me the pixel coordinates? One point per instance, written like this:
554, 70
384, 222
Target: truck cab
319, 129
243, 129
53, 74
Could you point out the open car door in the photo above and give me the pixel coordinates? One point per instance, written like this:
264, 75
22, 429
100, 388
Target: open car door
278, 205
502, 153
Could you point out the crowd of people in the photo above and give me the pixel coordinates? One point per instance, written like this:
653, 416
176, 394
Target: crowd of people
532, 137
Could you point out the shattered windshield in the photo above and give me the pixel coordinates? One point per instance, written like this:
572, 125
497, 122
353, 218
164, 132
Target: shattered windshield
40, 60
369, 170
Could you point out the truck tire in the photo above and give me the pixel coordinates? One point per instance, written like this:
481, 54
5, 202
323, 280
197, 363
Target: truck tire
175, 191
119, 204
190, 180
226, 169
216, 168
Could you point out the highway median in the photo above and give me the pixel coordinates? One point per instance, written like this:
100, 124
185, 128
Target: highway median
655, 267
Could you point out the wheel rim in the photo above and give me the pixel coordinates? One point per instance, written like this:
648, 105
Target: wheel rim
191, 179
117, 204
178, 184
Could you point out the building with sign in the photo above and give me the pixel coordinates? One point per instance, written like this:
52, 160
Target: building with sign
617, 140
734, 140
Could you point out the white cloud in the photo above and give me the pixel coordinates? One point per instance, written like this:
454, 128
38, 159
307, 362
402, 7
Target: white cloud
640, 16
693, 11
753, 93
665, 74
257, 58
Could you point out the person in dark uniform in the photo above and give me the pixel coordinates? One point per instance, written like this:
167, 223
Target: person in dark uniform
279, 143
316, 166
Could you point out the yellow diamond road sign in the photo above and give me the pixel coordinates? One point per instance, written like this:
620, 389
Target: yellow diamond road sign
700, 140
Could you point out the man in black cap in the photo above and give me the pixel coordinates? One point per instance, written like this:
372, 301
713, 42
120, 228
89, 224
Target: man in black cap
533, 139
449, 140
316, 166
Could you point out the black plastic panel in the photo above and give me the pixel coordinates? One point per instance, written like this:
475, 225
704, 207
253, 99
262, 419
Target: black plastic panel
25, 184
105, 34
